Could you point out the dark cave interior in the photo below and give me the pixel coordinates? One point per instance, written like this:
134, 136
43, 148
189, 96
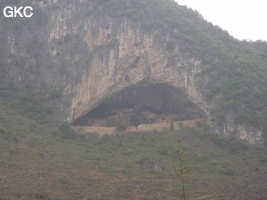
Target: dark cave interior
145, 103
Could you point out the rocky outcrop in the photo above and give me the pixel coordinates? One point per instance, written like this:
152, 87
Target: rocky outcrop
93, 58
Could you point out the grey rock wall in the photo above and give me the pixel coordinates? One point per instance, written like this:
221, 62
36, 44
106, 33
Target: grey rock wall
92, 58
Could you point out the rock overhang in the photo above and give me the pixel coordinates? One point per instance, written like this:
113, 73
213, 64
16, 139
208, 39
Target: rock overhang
101, 56
147, 96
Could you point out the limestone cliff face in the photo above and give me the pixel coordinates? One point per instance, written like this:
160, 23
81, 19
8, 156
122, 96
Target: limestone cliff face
93, 58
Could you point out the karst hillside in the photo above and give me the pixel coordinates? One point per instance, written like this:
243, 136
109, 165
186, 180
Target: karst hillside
94, 96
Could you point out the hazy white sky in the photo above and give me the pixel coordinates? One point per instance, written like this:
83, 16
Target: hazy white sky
242, 19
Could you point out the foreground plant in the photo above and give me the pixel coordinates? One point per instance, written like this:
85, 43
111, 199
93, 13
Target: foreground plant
183, 168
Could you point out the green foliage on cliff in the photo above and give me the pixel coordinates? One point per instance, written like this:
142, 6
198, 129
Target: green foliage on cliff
116, 167
63, 163
37, 105
237, 69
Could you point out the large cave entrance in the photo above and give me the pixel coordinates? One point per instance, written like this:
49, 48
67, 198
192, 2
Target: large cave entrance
143, 103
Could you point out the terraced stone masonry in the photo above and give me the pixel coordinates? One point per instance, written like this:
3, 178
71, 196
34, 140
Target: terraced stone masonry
141, 128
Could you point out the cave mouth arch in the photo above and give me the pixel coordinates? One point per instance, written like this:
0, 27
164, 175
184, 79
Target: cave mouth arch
142, 103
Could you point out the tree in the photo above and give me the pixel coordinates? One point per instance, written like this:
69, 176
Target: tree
183, 168
171, 125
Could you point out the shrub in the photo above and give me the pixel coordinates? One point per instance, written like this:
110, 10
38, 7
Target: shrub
142, 161
66, 132
2, 130
226, 172
171, 125
181, 125
164, 150
54, 93
121, 127
139, 118
263, 160
217, 139
235, 145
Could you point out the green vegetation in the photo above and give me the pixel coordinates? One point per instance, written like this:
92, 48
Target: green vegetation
237, 69
37, 105
121, 127
40, 159
171, 125
139, 118
57, 163
183, 169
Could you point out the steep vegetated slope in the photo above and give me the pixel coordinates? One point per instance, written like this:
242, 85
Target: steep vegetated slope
237, 69
38, 161
52, 49
66, 42
43, 158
